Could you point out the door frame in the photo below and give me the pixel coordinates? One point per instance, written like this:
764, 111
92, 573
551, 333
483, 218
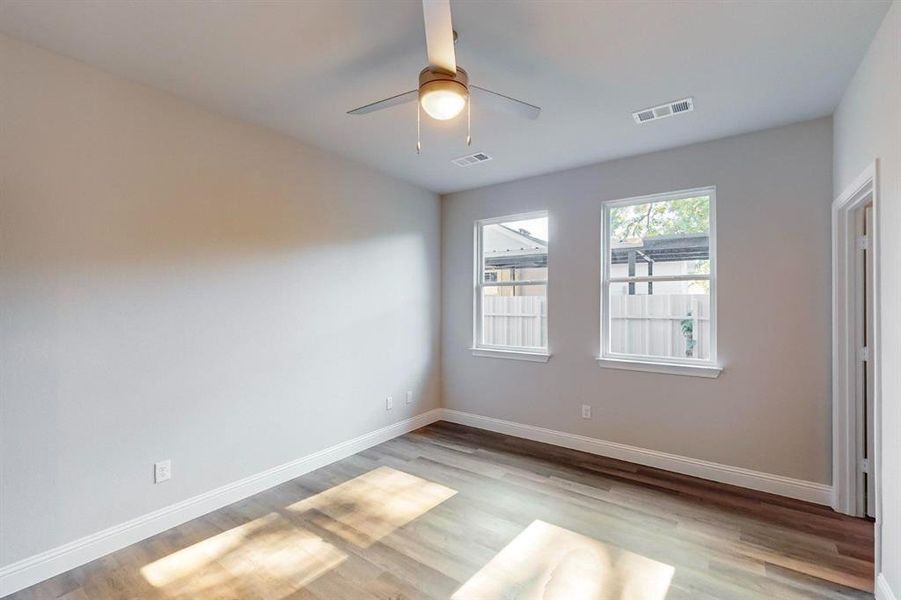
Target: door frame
847, 428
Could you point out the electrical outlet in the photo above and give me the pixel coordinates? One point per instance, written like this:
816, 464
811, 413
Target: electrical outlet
409, 397
162, 471
389, 403
586, 411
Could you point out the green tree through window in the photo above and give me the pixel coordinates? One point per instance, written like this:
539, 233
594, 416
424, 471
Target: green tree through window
685, 216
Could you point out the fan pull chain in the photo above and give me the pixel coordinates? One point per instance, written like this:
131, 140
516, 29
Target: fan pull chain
469, 121
418, 134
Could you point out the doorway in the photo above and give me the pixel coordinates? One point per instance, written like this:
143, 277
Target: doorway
855, 281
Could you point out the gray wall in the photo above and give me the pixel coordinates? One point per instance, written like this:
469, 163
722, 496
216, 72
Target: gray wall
770, 409
176, 284
867, 127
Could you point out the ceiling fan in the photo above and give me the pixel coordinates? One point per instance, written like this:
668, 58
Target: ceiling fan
444, 88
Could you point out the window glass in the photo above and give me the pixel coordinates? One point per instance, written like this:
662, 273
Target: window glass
658, 279
511, 284
669, 319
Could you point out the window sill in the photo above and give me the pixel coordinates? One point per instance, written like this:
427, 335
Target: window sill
531, 356
710, 372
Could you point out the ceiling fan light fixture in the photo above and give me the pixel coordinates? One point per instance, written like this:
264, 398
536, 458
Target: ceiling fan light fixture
443, 102
443, 96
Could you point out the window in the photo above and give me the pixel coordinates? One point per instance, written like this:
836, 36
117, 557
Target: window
511, 287
659, 283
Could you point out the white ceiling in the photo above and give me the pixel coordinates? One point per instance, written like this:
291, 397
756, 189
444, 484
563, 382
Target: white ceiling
299, 66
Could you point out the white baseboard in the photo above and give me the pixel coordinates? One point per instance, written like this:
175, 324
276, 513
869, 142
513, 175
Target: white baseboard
37, 568
746, 478
883, 591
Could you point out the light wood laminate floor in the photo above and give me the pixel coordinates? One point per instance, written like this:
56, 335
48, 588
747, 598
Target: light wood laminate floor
450, 511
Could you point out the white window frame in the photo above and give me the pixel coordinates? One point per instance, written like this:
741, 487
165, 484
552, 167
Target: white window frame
533, 354
657, 364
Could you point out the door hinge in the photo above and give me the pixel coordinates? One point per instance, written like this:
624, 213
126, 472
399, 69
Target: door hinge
863, 242
863, 354
865, 465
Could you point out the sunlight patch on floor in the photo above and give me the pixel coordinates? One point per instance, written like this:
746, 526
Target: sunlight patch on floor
371, 506
268, 554
546, 562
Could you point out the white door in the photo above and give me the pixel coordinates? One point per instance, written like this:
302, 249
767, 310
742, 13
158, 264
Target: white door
869, 369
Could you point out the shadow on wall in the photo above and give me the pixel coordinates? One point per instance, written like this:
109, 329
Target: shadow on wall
103, 212
194, 288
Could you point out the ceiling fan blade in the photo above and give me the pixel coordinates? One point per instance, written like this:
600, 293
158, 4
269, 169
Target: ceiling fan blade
504, 103
386, 103
439, 35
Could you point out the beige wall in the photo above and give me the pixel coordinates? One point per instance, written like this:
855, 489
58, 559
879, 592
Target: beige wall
176, 284
867, 128
770, 409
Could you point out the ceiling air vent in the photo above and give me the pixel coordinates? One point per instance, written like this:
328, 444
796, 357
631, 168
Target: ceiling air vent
664, 110
472, 159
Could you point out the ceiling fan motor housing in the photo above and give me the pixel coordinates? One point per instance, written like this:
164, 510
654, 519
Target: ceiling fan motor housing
436, 80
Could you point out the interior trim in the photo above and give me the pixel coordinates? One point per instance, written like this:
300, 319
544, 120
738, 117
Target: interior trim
847, 419
42, 566
799, 489
708, 371
883, 591
512, 354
